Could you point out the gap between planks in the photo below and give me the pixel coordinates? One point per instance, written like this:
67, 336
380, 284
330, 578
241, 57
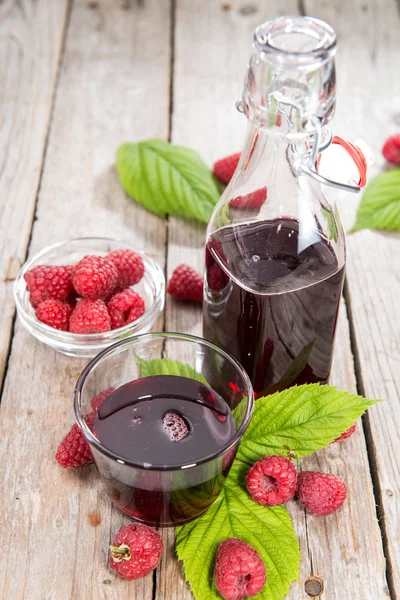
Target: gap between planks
370, 445
369, 441
367, 58
170, 116
42, 163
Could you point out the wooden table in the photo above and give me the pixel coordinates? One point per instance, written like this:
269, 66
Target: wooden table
77, 79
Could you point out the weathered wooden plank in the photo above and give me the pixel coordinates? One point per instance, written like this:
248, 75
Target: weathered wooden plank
31, 37
344, 549
344, 552
114, 86
369, 88
207, 82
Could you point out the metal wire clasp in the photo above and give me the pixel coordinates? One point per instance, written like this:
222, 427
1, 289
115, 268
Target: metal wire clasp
321, 138
316, 147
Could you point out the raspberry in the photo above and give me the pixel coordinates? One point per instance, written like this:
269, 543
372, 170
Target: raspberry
320, 493
224, 168
97, 401
272, 480
90, 316
346, 434
125, 307
54, 313
391, 149
46, 282
175, 426
94, 277
186, 284
129, 265
252, 201
239, 571
74, 451
217, 279
136, 551
214, 248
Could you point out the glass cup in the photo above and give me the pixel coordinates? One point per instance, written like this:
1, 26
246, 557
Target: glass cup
165, 495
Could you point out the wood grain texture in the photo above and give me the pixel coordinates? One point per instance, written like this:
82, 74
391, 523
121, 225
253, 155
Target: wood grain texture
368, 107
341, 550
31, 36
345, 549
114, 86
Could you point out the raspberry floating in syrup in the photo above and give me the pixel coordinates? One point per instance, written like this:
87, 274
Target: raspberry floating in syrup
175, 426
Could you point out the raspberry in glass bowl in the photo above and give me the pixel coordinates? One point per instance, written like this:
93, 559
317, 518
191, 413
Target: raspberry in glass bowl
142, 301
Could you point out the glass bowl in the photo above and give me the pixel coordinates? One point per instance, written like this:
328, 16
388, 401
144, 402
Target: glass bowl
151, 288
178, 481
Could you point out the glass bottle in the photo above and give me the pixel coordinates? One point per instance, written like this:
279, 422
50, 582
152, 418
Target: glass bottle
275, 247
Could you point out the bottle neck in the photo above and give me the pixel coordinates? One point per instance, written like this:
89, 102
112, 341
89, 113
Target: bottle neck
290, 84
269, 159
266, 188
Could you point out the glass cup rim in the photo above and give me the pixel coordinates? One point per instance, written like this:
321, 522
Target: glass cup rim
148, 336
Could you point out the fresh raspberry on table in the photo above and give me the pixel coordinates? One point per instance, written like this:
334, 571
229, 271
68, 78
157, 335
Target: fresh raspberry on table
391, 149
94, 277
125, 307
46, 282
239, 571
225, 167
90, 316
217, 279
136, 551
321, 493
97, 401
186, 284
74, 451
251, 201
272, 480
129, 265
54, 313
346, 434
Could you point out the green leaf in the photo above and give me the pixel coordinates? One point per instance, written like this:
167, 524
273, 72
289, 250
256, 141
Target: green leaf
166, 366
299, 421
294, 369
331, 224
234, 514
380, 204
167, 179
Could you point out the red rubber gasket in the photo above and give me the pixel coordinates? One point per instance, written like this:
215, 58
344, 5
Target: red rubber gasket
357, 156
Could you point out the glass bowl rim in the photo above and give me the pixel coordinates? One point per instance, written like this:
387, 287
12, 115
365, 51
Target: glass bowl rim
146, 466
79, 340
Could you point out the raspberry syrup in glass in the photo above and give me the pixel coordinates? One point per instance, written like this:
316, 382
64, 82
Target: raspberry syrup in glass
271, 300
169, 422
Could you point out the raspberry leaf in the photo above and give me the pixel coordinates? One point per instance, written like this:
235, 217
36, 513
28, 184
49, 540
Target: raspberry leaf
295, 368
267, 529
380, 204
299, 420
168, 179
166, 366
